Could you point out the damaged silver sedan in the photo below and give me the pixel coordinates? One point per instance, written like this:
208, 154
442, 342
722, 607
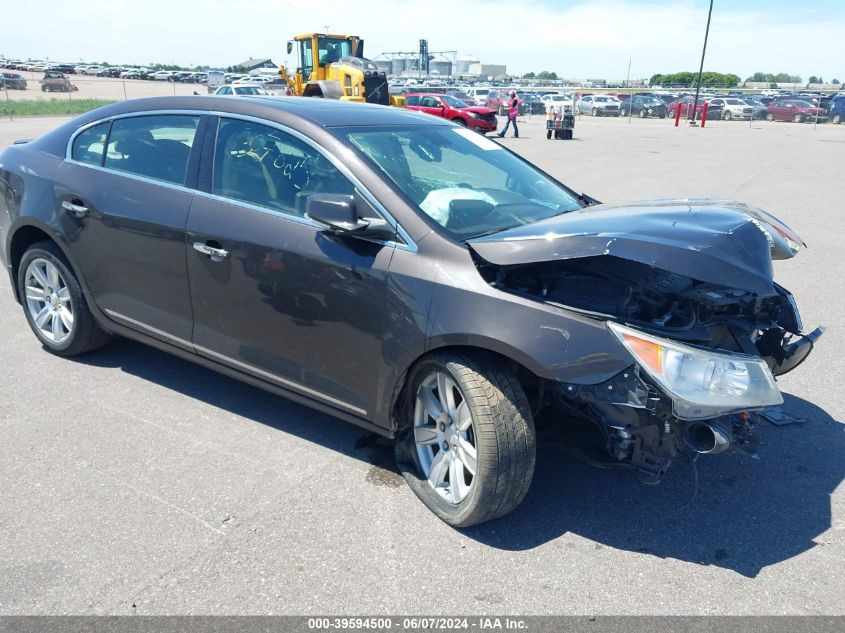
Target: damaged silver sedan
406, 275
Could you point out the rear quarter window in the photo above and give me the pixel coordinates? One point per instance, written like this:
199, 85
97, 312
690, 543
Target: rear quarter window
90, 145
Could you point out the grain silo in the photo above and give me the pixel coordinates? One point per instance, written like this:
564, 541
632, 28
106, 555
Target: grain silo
463, 63
441, 65
385, 65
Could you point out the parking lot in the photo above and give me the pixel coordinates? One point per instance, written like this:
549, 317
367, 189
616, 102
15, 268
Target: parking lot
132, 482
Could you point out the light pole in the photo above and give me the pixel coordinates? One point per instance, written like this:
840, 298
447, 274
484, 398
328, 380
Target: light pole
701, 68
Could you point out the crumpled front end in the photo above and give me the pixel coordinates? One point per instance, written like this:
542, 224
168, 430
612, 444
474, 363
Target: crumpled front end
686, 289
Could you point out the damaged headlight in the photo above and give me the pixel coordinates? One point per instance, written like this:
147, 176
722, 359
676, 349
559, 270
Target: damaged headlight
701, 383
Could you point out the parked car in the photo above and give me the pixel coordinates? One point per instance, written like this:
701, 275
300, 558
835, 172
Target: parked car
14, 81
644, 106
479, 95
162, 75
685, 105
815, 100
837, 111
530, 103
399, 272
109, 72
474, 117
497, 100
92, 70
733, 108
240, 90
597, 105
67, 69
758, 108
56, 82
563, 101
795, 111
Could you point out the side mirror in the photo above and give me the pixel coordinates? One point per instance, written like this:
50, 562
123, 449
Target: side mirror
339, 212
336, 211
290, 47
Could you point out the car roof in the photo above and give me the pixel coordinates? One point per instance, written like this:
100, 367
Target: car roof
284, 110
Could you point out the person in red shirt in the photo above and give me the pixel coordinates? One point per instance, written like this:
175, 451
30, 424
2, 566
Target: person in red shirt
513, 112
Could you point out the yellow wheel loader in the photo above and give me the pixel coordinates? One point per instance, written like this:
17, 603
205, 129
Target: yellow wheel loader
334, 67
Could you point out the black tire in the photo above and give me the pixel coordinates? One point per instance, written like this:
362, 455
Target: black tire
798, 118
643, 114
837, 119
727, 116
567, 135
548, 134
459, 121
503, 432
770, 117
595, 112
672, 113
86, 335
44, 88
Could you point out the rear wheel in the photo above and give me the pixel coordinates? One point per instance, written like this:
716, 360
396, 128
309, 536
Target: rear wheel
467, 449
798, 118
770, 116
643, 113
727, 116
53, 303
459, 122
595, 112
837, 119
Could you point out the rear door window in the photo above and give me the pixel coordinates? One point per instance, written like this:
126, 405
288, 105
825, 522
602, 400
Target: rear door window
89, 146
157, 146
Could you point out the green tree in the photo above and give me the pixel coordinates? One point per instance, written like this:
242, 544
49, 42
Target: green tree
529, 76
546, 74
815, 80
835, 81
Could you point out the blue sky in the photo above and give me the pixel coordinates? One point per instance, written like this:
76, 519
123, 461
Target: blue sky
575, 38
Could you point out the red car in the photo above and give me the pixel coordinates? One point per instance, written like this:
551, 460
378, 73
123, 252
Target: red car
794, 110
685, 106
475, 117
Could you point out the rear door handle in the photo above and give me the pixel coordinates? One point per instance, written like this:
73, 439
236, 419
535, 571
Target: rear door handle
216, 254
77, 209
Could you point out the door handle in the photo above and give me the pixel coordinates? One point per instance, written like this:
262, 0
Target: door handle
77, 209
216, 254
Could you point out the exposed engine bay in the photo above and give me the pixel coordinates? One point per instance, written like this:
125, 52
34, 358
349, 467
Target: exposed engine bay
728, 337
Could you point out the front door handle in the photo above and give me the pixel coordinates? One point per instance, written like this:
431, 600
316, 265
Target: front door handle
216, 254
77, 209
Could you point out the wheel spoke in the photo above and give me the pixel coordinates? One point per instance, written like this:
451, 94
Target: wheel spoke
58, 332
35, 294
53, 276
446, 391
425, 434
40, 276
431, 404
467, 455
439, 468
455, 479
64, 295
463, 418
41, 318
66, 317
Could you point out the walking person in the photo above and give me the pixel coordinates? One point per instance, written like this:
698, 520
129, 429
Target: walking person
513, 112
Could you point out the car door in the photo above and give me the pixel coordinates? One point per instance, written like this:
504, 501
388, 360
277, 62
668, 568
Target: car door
274, 293
431, 105
126, 192
586, 104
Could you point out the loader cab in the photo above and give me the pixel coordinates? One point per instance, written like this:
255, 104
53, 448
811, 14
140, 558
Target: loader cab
317, 51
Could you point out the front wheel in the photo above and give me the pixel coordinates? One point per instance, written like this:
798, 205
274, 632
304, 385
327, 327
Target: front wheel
595, 112
467, 448
770, 116
798, 118
53, 303
837, 119
727, 116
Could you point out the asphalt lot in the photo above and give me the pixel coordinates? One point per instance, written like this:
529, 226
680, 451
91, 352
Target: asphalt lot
134, 482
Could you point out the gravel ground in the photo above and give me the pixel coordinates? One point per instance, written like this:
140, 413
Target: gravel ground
134, 482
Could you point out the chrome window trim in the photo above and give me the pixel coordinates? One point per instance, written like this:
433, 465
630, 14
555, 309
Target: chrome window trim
284, 382
408, 245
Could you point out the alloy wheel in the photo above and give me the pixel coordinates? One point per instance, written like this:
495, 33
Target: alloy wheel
48, 301
444, 436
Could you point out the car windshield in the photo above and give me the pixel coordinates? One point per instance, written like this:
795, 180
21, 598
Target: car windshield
466, 183
651, 101
453, 101
601, 99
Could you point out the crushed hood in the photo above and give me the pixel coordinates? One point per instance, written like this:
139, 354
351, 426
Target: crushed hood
720, 242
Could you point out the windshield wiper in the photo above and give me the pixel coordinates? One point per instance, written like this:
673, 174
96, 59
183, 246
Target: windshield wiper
588, 200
